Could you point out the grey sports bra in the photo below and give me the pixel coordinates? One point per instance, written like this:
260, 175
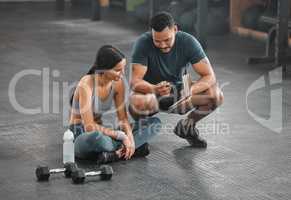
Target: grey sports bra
98, 106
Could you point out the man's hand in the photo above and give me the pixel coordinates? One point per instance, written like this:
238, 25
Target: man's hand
163, 88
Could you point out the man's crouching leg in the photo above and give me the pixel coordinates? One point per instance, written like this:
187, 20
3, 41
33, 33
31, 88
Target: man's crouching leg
205, 104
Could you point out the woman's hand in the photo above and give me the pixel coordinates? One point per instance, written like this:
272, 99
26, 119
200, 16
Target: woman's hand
128, 148
132, 144
128, 142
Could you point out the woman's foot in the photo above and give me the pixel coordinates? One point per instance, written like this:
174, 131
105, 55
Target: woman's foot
113, 156
142, 151
107, 157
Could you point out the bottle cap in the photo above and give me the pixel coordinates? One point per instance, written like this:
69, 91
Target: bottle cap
68, 135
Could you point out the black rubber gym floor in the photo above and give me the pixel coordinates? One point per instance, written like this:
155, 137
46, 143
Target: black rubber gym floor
249, 140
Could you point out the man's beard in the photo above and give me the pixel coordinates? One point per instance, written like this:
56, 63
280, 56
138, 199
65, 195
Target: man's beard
167, 49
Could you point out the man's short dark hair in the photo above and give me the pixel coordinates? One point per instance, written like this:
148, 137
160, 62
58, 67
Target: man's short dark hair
162, 20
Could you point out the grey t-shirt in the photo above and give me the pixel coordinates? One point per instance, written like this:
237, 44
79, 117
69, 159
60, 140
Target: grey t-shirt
166, 66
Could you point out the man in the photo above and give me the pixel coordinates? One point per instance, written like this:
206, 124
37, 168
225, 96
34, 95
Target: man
159, 58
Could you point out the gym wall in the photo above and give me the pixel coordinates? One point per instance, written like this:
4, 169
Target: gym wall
29, 0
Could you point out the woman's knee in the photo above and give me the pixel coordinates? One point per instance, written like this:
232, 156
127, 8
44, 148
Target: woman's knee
93, 142
84, 142
89, 137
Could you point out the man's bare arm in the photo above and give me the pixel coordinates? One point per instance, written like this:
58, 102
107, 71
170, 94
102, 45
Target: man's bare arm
137, 83
207, 76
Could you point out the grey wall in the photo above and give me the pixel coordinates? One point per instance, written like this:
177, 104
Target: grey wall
28, 0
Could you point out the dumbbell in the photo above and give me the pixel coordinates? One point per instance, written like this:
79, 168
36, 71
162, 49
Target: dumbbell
105, 172
43, 172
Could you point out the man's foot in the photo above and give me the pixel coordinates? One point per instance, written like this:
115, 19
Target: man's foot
197, 142
186, 129
142, 151
107, 157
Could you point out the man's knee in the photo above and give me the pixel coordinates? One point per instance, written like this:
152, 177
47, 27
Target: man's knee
140, 102
221, 98
215, 95
136, 102
218, 98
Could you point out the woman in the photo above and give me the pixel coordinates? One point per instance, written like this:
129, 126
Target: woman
92, 97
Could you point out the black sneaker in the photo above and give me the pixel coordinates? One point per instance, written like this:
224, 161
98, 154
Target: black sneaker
186, 129
142, 151
197, 142
107, 157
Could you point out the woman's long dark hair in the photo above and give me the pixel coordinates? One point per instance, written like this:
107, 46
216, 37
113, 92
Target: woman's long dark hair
106, 59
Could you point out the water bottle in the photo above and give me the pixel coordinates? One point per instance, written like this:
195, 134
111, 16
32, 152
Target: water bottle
68, 147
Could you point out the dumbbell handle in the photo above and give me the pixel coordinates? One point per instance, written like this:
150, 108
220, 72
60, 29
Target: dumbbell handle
93, 173
55, 171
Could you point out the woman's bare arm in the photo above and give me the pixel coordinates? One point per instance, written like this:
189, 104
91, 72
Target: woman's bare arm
85, 100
